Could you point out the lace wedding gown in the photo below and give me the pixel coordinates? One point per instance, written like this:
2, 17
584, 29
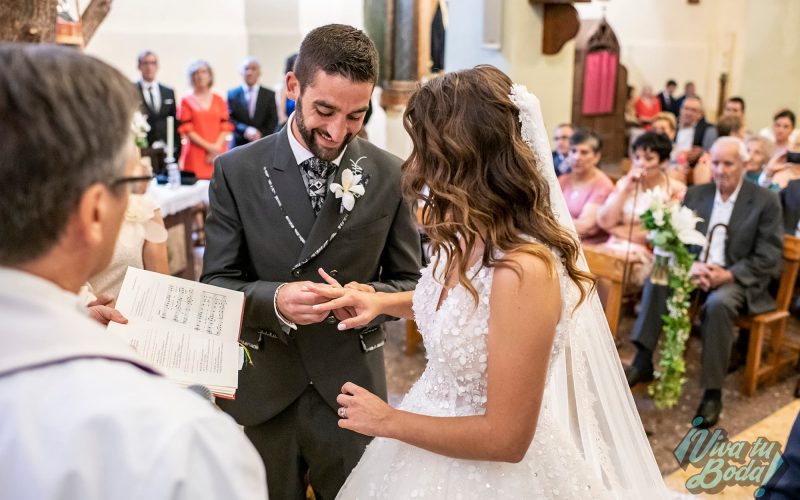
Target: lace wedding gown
454, 384
589, 440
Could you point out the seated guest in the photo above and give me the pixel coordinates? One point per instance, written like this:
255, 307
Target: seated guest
84, 417
733, 271
665, 123
647, 106
585, 187
695, 135
730, 126
251, 106
790, 201
619, 216
778, 172
759, 149
157, 103
561, 148
734, 107
204, 122
783, 132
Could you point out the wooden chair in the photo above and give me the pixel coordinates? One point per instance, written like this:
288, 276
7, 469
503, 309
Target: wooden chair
610, 266
774, 322
413, 338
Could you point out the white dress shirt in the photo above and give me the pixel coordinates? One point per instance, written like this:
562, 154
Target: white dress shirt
82, 420
251, 96
684, 139
146, 87
720, 214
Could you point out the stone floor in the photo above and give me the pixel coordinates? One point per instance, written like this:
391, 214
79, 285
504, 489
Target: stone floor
665, 428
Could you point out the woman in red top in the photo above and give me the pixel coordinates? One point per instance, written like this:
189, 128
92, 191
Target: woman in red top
647, 107
204, 121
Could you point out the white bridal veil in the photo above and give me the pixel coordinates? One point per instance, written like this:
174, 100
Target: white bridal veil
589, 387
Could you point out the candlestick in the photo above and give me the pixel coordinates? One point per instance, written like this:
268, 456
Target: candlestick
170, 137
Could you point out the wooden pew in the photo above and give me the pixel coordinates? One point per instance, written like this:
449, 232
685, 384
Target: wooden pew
781, 352
609, 266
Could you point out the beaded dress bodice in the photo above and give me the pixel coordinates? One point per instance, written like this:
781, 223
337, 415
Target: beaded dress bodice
455, 337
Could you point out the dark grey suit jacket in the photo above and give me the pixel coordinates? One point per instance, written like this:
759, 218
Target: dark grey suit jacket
790, 200
251, 247
158, 121
754, 243
265, 117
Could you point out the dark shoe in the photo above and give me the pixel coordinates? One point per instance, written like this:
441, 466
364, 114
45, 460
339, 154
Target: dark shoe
636, 374
707, 413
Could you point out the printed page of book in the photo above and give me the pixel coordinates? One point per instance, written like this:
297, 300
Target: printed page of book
189, 330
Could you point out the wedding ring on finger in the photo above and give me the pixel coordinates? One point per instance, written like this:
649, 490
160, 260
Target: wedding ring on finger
343, 412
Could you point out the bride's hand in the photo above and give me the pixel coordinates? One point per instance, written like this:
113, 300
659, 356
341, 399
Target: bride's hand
363, 412
365, 305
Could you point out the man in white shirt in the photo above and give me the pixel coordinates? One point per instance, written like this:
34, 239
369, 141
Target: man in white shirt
695, 135
733, 271
84, 417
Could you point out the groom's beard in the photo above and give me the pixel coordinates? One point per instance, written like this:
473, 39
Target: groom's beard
310, 137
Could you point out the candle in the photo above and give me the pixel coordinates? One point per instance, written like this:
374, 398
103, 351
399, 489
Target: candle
170, 137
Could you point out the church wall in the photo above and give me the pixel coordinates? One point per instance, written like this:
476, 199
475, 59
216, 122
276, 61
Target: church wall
754, 41
178, 31
520, 55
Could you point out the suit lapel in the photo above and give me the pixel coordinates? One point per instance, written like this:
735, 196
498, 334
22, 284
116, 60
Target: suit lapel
704, 208
739, 213
289, 187
147, 107
331, 218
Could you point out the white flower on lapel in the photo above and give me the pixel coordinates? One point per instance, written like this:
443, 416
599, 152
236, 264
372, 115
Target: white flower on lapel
350, 189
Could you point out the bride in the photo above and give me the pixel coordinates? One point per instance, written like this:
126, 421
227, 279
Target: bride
523, 395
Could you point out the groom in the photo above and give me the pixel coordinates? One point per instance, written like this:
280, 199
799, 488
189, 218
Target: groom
273, 223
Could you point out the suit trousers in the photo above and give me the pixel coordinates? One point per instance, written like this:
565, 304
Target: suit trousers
720, 307
305, 438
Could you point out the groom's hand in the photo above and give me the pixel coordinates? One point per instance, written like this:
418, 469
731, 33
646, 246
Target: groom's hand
295, 303
345, 312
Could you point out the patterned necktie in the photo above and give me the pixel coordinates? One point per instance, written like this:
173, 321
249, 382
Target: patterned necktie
317, 172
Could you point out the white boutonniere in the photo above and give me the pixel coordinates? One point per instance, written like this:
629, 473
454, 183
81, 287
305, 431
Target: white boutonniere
350, 189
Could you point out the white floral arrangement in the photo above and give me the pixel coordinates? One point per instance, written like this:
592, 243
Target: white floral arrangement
140, 128
671, 226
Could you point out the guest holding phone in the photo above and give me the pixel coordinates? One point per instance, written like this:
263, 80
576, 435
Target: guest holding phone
783, 168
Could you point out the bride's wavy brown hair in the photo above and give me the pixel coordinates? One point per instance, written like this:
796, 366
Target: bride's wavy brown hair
483, 181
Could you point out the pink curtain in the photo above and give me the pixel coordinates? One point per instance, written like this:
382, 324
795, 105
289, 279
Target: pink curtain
599, 82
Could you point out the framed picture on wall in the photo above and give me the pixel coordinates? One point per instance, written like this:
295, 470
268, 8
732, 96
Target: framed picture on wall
492, 24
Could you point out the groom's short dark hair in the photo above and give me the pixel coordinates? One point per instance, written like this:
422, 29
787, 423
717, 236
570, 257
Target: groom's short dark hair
337, 49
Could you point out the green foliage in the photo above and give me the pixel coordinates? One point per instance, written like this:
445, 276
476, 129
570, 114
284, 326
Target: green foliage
669, 376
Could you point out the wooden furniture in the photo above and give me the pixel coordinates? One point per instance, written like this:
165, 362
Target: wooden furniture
179, 208
780, 351
596, 36
609, 266
413, 338
560, 23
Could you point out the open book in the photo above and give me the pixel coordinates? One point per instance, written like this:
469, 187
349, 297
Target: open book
187, 329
